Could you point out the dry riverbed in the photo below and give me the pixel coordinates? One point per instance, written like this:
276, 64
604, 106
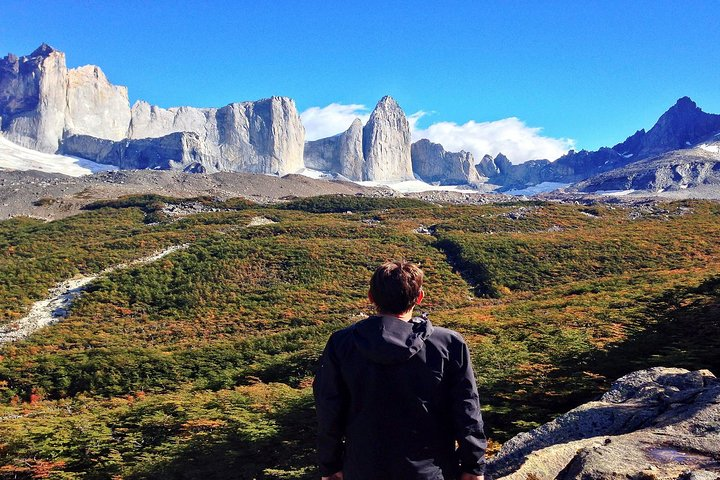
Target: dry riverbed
56, 305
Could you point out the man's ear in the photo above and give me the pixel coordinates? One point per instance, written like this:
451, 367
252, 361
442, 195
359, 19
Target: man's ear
370, 297
420, 297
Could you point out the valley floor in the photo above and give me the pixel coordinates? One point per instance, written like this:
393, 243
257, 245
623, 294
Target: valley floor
199, 362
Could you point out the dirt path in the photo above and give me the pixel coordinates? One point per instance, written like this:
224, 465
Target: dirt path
55, 306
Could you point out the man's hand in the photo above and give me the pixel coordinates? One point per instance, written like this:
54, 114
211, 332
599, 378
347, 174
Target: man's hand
339, 476
470, 476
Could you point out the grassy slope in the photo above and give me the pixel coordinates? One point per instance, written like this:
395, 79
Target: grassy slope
199, 364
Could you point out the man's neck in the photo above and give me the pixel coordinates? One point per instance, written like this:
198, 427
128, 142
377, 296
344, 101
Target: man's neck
405, 317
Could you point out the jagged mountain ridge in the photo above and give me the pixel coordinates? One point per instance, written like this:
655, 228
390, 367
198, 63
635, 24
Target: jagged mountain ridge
380, 150
50, 108
682, 126
433, 164
677, 169
264, 136
41, 101
47, 107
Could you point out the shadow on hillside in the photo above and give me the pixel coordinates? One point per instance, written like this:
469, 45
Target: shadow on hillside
289, 454
475, 274
685, 334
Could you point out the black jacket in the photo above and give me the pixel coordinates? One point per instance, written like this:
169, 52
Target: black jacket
392, 398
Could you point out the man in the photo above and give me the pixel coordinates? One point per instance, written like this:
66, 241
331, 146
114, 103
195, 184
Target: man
394, 393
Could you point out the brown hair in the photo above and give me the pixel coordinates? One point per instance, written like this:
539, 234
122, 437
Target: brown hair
395, 286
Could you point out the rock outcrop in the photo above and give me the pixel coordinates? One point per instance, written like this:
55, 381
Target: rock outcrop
265, 136
681, 127
433, 164
177, 151
46, 107
386, 143
679, 169
342, 153
33, 98
491, 167
95, 106
660, 423
379, 151
500, 171
41, 101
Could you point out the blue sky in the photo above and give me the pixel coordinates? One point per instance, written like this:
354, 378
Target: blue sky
590, 72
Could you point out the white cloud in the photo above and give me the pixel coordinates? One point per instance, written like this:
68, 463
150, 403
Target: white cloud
321, 122
511, 136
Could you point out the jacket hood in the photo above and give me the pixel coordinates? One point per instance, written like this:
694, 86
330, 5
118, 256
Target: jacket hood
389, 340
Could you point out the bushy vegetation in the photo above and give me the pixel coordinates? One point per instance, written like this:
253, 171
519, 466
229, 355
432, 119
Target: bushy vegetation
200, 364
153, 205
347, 203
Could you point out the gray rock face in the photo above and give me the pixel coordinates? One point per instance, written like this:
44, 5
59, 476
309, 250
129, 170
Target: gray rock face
682, 126
678, 169
487, 167
43, 104
379, 151
176, 151
433, 164
351, 151
33, 98
41, 101
95, 106
659, 423
386, 143
342, 153
256, 137
500, 171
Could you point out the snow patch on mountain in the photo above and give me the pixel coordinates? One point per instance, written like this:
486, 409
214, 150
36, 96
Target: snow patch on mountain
542, 187
712, 148
15, 157
414, 186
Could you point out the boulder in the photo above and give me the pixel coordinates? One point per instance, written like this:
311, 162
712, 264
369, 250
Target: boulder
659, 423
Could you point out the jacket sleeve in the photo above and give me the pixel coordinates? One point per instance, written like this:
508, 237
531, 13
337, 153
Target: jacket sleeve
467, 420
331, 404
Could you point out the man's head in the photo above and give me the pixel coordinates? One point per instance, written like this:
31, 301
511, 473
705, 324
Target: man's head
396, 287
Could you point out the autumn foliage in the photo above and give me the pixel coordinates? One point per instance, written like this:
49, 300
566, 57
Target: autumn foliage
200, 364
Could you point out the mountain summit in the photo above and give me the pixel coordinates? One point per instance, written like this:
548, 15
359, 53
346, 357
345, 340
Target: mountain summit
682, 126
47, 107
386, 143
43, 50
380, 150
